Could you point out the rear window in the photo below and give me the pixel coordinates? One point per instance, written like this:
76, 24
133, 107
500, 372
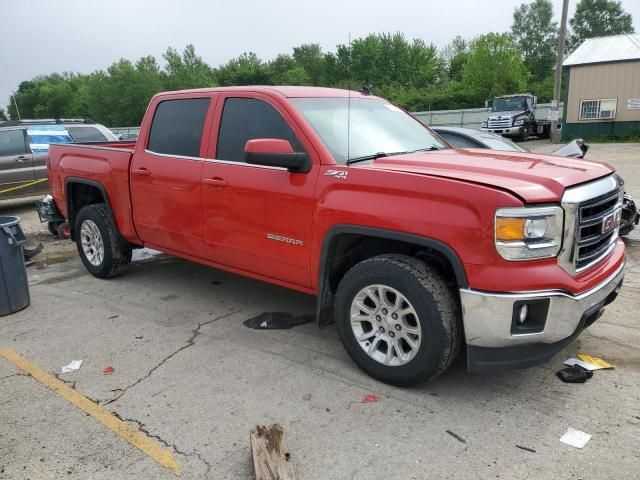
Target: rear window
177, 127
12, 143
86, 134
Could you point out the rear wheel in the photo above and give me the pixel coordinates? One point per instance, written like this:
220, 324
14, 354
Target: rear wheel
397, 319
103, 253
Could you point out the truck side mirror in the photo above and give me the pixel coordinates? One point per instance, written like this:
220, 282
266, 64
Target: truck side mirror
276, 152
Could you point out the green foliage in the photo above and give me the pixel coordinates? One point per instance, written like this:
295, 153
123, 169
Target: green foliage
411, 73
598, 18
536, 34
494, 67
3, 115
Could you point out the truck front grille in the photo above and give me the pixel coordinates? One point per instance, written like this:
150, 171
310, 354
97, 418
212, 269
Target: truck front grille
495, 123
592, 215
595, 235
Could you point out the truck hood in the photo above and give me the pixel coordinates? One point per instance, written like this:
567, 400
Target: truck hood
533, 178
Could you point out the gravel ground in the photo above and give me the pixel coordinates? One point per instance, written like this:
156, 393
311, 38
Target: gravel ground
191, 375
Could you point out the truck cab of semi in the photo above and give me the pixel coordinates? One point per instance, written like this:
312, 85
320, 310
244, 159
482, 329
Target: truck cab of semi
514, 116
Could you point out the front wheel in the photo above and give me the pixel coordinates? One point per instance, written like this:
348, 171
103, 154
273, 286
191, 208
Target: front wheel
103, 253
397, 319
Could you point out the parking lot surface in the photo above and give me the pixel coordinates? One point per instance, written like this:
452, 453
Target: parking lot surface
191, 376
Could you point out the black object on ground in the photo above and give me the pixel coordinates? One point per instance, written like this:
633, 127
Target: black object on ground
277, 321
14, 287
574, 374
29, 253
526, 448
456, 436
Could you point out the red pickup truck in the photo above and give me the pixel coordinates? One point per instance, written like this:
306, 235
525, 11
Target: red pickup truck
412, 247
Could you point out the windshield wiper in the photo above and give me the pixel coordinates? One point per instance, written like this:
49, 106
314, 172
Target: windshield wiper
374, 156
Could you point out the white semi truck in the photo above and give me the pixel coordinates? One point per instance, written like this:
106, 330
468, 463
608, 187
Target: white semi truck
514, 116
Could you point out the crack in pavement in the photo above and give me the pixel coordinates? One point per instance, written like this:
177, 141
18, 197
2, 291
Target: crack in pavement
142, 427
15, 375
190, 342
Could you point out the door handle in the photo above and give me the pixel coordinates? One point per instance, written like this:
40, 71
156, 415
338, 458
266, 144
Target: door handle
22, 159
143, 172
216, 182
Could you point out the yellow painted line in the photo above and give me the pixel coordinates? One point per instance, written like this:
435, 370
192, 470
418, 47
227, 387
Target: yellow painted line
134, 437
23, 186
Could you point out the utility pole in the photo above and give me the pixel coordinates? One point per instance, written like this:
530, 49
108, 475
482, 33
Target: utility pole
558, 80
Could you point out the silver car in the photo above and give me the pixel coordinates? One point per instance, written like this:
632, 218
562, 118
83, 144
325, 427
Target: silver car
24, 145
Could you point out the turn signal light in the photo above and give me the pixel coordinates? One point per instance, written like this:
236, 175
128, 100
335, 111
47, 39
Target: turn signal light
510, 228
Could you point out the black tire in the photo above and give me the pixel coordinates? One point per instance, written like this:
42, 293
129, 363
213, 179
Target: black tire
435, 304
524, 134
53, 228
117, 254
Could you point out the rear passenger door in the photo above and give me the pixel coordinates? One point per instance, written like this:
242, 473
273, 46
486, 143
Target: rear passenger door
165, 176
16, 164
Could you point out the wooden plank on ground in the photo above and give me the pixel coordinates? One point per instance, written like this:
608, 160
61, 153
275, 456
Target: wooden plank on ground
271, 459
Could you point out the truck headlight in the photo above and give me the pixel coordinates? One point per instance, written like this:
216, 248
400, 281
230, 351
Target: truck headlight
484, 124
528, 233
517, 123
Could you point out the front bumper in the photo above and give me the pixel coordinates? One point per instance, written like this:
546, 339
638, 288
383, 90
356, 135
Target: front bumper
505, 131
496, 342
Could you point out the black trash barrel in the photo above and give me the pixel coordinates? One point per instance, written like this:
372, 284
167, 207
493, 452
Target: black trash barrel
14, 287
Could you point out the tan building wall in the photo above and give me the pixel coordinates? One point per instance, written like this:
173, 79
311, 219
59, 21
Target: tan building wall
604, 80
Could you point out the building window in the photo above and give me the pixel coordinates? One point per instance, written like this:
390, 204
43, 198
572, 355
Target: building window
598, 109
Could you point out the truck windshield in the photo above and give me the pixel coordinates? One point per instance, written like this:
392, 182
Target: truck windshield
510, 104
376, 127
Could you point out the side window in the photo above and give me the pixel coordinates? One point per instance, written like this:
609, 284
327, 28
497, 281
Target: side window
244, 119
86, 134
12, 143
458, 141
177, 127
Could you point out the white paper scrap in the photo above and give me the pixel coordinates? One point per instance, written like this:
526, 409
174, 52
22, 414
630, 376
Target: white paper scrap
72, 367
575, 438
576, 361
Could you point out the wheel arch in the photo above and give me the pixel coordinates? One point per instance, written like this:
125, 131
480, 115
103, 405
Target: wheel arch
81, 192
345, 245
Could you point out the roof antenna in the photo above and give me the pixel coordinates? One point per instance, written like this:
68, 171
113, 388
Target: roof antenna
349, 103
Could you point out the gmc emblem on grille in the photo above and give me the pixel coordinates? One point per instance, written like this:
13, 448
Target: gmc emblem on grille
610, 222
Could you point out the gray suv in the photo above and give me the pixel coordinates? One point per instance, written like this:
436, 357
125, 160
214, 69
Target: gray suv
24, 145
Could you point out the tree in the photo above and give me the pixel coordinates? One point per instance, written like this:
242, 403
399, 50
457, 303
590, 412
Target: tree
310, 58
247, 69
598, 18
494, 67
454, 56
187, 70
536, 34
3, 115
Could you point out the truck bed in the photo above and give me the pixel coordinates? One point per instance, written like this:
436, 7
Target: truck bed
104, 165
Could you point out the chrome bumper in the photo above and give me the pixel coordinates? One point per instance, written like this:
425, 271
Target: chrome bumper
488, 317
504, 130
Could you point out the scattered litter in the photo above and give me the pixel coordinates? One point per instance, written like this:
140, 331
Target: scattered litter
113, 316
598, 362
81, 293
74, 366
108, 370
456, 436
370, 398
277, 321
575, 438
575, 361
29, 253
526, 448
574, 374
140, 337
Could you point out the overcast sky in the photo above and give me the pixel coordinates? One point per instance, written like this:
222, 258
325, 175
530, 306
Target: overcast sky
44, 36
